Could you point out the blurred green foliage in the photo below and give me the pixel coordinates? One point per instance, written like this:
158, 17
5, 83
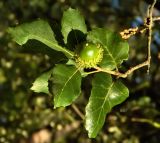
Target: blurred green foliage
24, 113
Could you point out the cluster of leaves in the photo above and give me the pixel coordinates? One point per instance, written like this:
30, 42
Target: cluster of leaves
105, 93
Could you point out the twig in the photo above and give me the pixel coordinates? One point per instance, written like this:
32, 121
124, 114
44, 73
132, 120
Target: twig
127, 33
156, 18
123, 75
142, 120
150, 24
75, 108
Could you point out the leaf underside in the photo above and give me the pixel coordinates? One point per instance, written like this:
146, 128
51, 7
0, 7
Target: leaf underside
66, 85
105, 95
115, 48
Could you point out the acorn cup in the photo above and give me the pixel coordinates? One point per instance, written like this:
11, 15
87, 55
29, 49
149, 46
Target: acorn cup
89, 56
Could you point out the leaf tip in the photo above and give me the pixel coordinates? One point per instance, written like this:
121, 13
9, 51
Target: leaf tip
32, 87
91, 135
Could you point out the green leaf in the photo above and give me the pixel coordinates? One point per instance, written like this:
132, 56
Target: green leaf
41, 83
35, 47
105, 95
66, 85
72, 20
115, 48
39, 30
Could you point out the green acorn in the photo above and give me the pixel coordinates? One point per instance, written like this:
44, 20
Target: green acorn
90, 55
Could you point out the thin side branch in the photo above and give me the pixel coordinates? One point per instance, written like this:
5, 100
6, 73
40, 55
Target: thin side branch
150, 24
79, 113
143, 120
156, 18
123, 75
